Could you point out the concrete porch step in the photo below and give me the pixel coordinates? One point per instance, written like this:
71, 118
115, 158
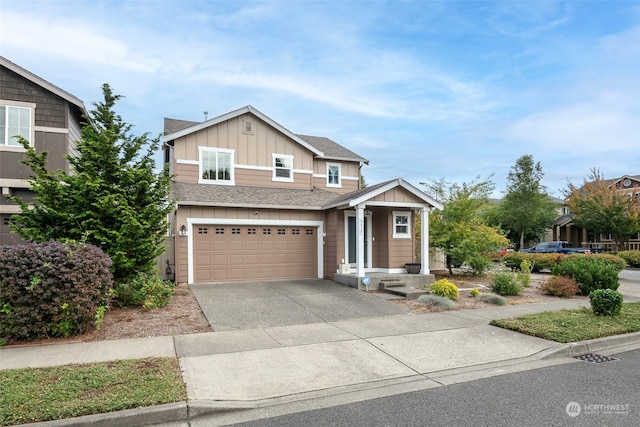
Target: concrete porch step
406, 291
392, 283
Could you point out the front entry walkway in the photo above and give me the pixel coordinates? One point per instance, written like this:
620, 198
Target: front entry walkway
250, 305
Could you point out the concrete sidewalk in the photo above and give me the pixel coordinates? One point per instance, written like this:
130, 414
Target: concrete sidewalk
351, 359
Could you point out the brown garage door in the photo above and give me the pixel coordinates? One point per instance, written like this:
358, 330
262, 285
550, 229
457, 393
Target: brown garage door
226, 253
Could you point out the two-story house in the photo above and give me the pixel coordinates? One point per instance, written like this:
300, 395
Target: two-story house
565, 229
256, 201
46, 116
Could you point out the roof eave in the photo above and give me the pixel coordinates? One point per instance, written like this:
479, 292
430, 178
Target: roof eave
43, 83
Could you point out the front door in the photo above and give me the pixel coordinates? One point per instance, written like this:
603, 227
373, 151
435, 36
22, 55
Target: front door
352, 240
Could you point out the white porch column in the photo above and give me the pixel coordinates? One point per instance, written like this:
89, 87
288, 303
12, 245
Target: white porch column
360, 241
424, 240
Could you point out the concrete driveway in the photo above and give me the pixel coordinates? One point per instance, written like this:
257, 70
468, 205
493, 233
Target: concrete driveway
249, 305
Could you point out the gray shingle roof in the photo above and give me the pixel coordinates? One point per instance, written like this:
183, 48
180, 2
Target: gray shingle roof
331, 149
252, 197
174, 125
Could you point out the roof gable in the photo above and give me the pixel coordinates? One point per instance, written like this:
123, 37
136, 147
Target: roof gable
368, 193
43, 83
319, 146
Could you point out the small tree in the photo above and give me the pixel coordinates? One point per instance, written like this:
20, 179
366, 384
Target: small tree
459, 229
600, 208
112, 197
526, 211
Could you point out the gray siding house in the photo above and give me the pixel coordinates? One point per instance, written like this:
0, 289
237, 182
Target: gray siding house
45, 115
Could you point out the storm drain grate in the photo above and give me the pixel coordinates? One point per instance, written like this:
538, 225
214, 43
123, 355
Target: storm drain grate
595, 358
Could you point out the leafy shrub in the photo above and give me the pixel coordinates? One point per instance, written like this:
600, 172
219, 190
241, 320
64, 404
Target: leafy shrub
52, 289
538, 262
590, 273
545, 261
475, 292
444, 288
614, 260
147, 290
478, 264
632, 258
492, 299
505, 284
513, 260
524, 275
605, 302
435, 301
560, 286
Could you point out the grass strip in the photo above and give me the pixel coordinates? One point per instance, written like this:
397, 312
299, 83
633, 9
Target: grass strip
43, 394
574, 325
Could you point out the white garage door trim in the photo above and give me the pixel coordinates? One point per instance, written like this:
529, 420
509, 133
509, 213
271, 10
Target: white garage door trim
257, 222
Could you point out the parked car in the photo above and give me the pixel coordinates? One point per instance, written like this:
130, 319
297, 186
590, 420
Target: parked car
560, 247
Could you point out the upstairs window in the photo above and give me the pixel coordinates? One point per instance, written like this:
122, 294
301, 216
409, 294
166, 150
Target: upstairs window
216, 166
14, 121
282, 167
334, 175
401, 225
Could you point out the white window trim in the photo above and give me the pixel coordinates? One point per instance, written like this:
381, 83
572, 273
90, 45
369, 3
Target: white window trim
282, 178
201, 180
32, 124
406, 235
339, 166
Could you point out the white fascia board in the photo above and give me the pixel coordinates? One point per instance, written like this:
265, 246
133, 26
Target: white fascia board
249, 206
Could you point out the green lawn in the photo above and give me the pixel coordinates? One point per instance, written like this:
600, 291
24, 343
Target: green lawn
574, 325
32, 395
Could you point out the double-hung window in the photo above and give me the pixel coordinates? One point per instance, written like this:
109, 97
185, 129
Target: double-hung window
282, 167
216, 166
14, 121
334, 175
401, 225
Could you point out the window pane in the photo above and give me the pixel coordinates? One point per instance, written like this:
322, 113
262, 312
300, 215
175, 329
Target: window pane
3, 121
334, 175
224, 166
208, 165
283, 173
402, 229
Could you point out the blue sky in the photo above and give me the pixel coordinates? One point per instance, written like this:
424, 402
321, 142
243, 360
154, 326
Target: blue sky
423, 89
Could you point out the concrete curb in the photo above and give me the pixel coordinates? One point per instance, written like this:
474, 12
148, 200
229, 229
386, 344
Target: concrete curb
598, 344
150, 415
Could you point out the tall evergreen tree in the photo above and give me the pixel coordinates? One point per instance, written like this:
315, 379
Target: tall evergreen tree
526, 211
112, 197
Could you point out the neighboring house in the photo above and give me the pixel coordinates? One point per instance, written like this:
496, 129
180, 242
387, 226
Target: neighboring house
564, 229
256, 201
46, 116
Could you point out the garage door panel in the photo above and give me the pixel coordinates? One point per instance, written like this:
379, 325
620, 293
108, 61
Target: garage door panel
224, 253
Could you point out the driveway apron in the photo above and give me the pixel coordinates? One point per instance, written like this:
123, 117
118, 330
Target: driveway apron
250, 305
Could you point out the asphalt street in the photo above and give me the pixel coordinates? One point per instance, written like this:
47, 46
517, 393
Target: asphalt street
576, 393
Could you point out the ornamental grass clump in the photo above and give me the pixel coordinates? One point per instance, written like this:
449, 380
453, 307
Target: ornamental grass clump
492, 299
435, 301
444, 288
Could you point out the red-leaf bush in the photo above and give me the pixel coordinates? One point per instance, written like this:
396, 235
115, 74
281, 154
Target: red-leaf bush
52, 289
560, 286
